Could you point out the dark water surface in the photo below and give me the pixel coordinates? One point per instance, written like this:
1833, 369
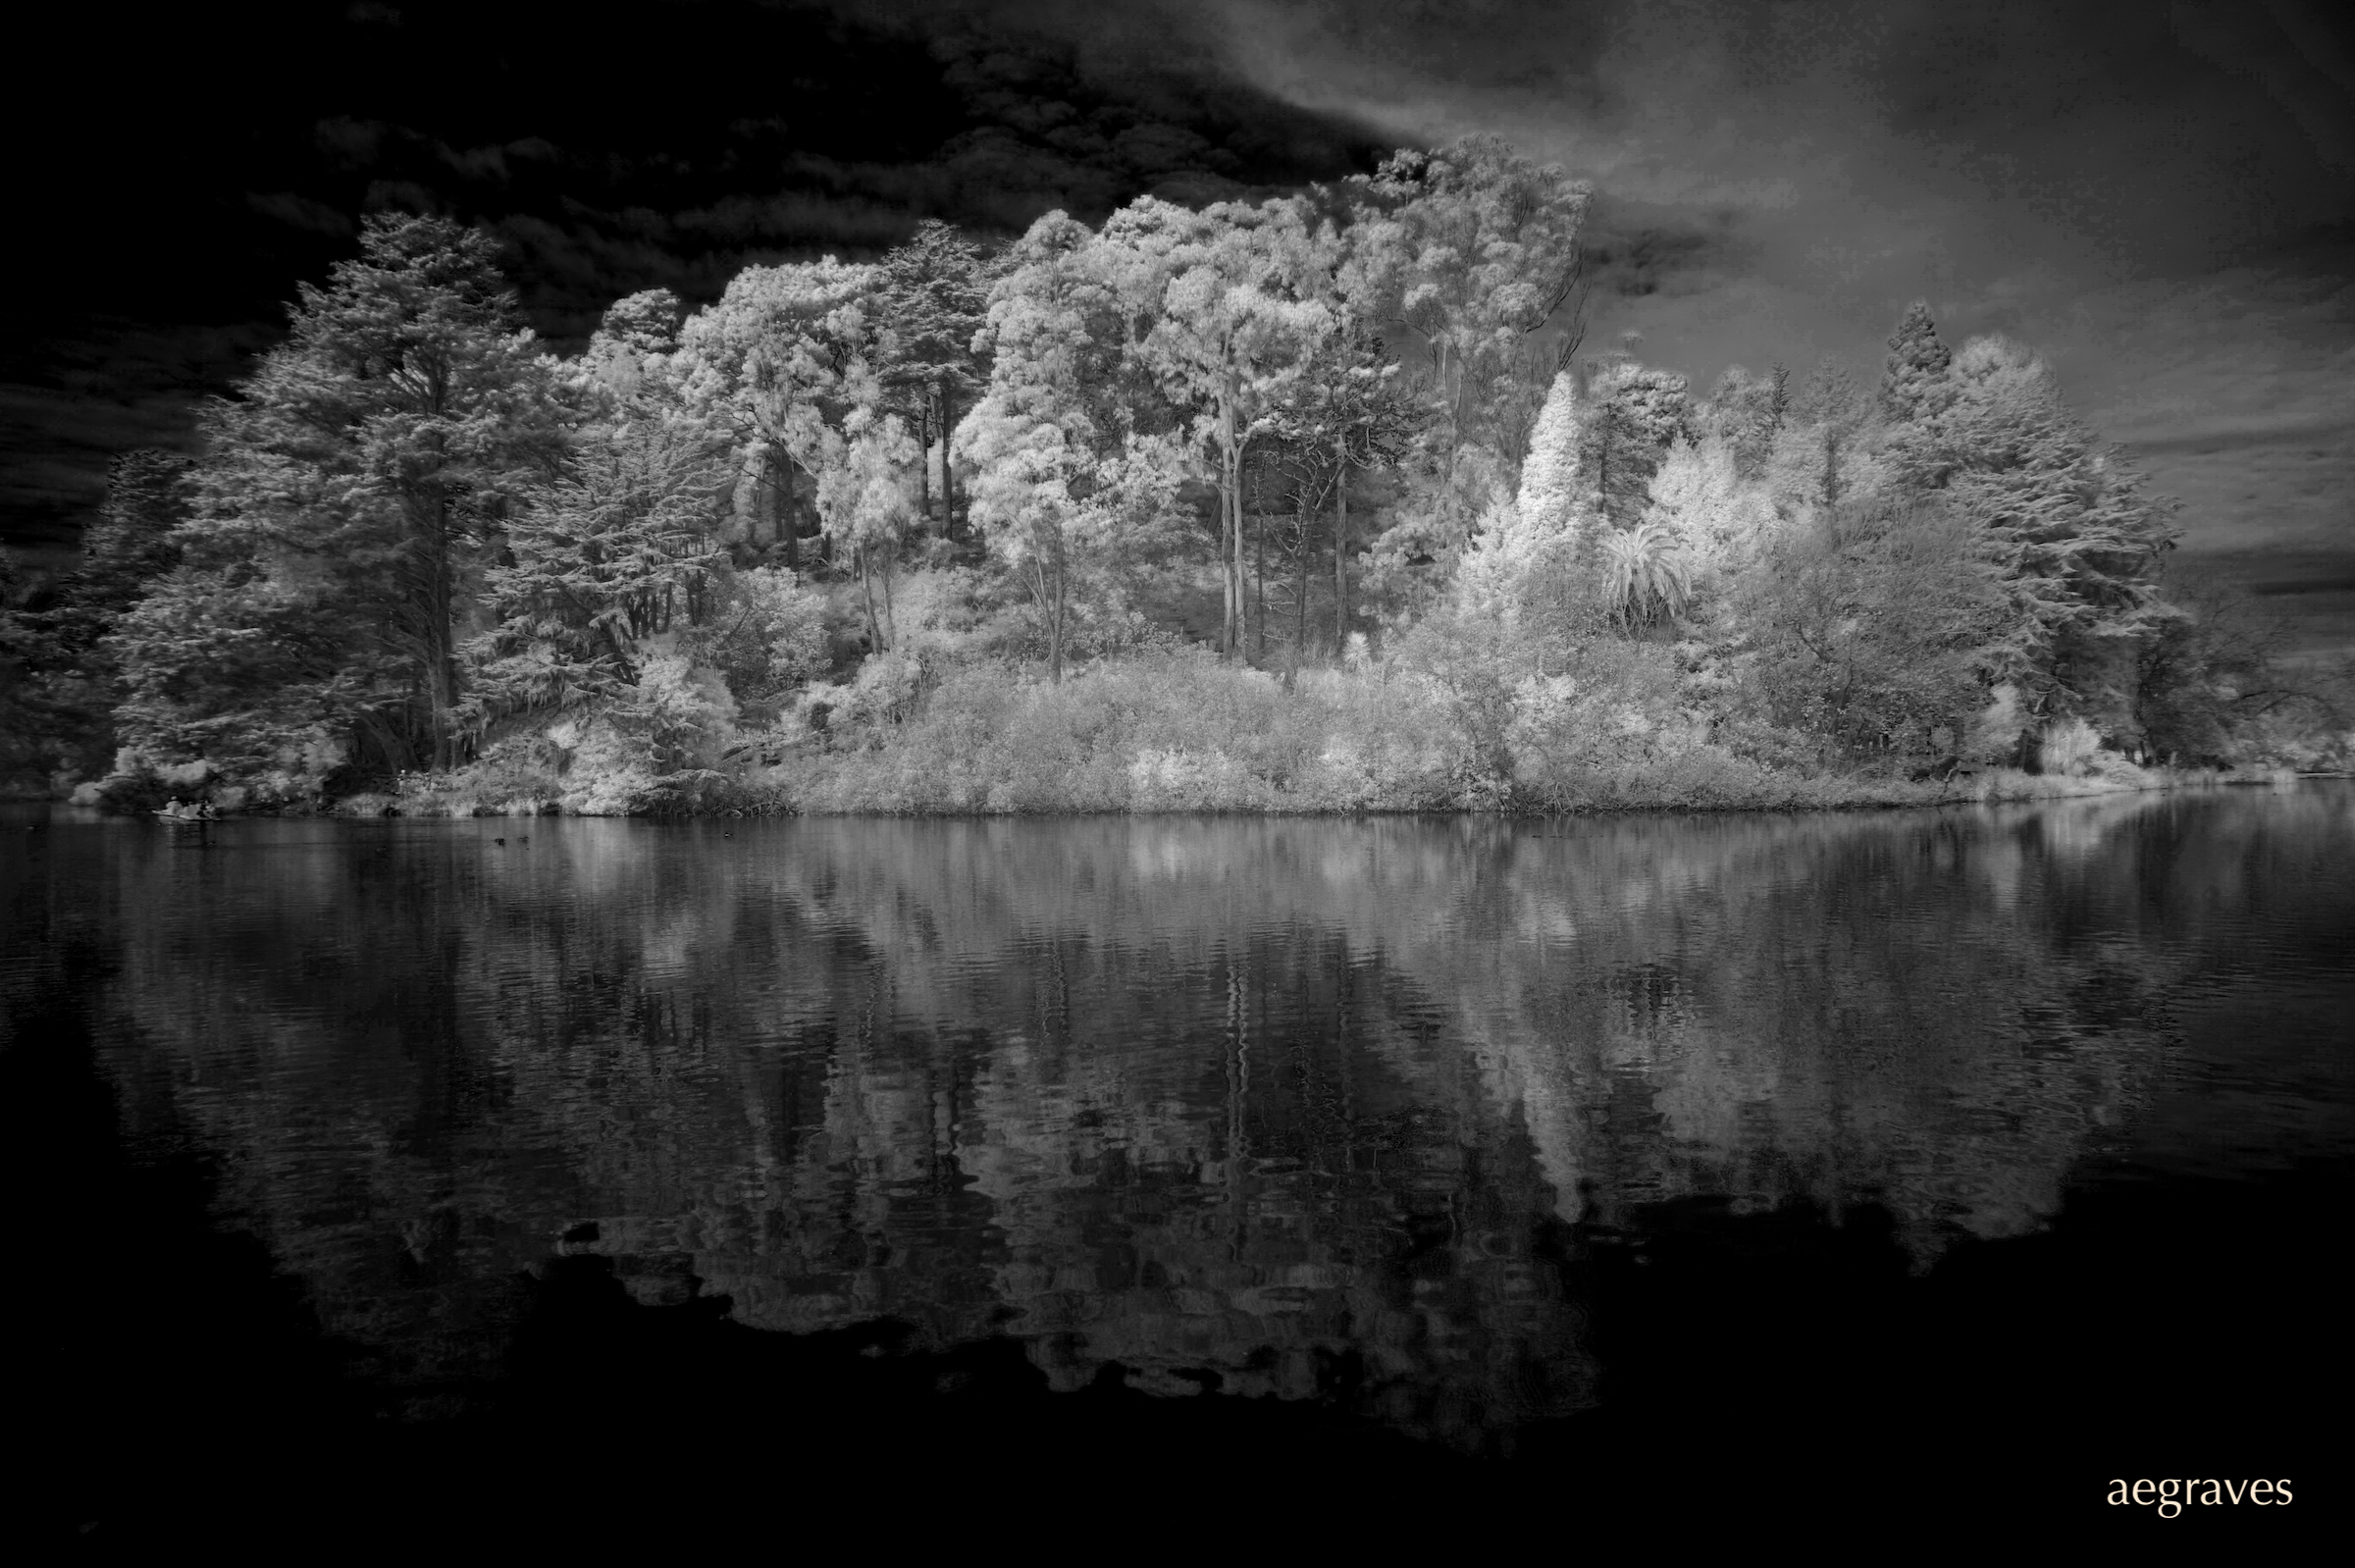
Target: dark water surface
1637, 1159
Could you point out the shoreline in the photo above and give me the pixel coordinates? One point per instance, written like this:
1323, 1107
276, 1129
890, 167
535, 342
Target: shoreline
1997, 787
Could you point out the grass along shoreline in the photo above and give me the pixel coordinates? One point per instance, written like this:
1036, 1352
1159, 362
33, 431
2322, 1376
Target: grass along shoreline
1177, 733
1818, 794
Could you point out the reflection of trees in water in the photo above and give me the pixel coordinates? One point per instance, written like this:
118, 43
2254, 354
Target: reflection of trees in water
1271, 1105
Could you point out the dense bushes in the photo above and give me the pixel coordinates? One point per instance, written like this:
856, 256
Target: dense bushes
1179, 731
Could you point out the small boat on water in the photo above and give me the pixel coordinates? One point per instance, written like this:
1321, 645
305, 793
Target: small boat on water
177, 811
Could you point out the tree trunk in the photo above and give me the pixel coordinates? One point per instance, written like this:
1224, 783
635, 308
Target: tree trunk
787, 533
1227, 522
924, 448
1259, 587
443, 669
1234, 554
1340, 562
1055, 648
866, 587
948, 478
1291, 674
1602, 468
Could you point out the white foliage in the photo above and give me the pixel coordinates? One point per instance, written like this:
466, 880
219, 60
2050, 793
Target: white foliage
1548, 495
1720, 520
1525, 545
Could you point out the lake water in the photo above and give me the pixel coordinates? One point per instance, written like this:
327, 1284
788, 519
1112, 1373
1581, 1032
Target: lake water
1465, 1143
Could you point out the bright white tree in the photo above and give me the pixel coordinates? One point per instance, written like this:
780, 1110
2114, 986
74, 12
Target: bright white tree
778, 360
868, 504
1059, 477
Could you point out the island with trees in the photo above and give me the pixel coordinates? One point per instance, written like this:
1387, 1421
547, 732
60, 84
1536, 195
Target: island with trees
1319, 503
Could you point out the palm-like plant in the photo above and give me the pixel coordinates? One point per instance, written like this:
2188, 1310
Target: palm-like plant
1646, 577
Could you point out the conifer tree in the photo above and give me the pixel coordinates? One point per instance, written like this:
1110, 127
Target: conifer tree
1913, 377
1633, 414
629, 357
935, 304
126, 546
600, 557
2080, 534
66, 684
1746, 412
1549, 495
343, 503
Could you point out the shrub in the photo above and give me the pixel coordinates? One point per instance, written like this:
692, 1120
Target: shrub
766, 637
2068, 746
519, 775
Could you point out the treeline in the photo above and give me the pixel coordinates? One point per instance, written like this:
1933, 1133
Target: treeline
734, 555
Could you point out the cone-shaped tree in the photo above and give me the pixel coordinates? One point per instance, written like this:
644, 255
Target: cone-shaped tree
346, 499
1913, 377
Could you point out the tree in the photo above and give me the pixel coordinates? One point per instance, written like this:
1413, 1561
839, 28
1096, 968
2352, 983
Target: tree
766, 637
2078, 533
68, 683
1462, 258
1875, 625
628, 361
2212, 673
1720, 519
864, 505
1746, 412
1633, 415
1550, 497
779, 359
237, 673
1346, 410
1464, 254
1234, 297
1069, 450
1913, 377
935, 304
1523, 568
600, 556
1832, 414
345, 495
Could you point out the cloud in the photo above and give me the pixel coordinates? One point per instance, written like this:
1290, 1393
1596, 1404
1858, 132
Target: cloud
66, 410
2146, 195
658, 145
2285, 49
300, 212
2157, 197
351, 143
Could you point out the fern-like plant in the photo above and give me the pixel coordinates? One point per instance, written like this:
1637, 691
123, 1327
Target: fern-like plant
1646, 577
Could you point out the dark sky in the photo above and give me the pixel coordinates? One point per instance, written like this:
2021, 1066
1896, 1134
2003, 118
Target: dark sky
2161, 197
210, 157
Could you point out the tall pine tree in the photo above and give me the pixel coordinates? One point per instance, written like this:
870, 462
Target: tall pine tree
1913, 377
347, 501
935, 301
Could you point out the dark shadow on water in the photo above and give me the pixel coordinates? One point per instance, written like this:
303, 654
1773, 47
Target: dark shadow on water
2157, 1324
1768, 1366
